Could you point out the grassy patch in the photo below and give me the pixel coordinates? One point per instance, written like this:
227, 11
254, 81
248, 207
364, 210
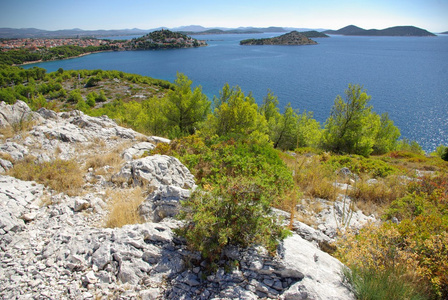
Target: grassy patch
377, 193
123, 207
372, 166
60, 175
411, 161
396, 284
312, 177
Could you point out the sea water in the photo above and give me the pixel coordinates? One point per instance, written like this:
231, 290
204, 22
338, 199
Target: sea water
406, 76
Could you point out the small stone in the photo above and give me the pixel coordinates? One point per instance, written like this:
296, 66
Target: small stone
89, 278
29, 217
81, 204
150, 294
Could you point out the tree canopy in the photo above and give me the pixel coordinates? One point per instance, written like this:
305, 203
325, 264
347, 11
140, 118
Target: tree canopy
353, 128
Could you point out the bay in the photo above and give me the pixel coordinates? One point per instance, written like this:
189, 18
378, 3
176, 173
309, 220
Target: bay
406, 76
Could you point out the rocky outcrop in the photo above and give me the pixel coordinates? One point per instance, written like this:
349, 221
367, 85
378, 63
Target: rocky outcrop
168, 179
156, 171
12, 115
137, 150
60, 253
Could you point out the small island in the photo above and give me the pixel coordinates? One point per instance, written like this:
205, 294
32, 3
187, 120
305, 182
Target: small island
292, 38
164, 39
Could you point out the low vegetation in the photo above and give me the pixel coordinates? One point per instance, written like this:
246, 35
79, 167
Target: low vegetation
413, 248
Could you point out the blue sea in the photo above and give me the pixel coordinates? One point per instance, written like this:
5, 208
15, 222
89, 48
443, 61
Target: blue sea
406, 76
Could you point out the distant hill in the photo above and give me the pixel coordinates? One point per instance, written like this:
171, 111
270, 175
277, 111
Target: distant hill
314, 34
292, 38
391, 31
189, 28
9, 33
218, 31
239, 30
446, 32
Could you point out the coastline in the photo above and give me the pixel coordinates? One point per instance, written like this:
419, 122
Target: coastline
71, 57
88, 53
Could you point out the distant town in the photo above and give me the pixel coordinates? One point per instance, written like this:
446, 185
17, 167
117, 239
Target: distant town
35, 44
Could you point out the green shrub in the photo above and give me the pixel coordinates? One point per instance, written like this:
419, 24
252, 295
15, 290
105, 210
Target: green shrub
75, 96
235, 212
212, 160
359, 165
444, 155
410, 146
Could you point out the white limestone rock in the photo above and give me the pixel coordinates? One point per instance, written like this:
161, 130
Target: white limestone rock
10, 115
81, 204
157, 170
163, 202
15, 150
322, 272
137, 150
5, 165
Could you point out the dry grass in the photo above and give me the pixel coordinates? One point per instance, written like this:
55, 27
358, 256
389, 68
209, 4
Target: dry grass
110, 158
6, 132
60, 175
98, 161
123, 207
306, 219
289, 202
21, 127
6, 156
314, 179
98, 142
372, 197
45, 200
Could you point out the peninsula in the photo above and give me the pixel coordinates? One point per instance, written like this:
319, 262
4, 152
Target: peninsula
391, 31
292, 38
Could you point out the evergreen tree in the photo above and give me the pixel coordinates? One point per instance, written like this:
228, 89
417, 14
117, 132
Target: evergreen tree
185, 108
237, 115
351, 127
387, 136
309, 132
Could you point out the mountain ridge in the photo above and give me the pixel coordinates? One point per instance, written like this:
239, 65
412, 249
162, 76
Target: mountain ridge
390, 31
199, 30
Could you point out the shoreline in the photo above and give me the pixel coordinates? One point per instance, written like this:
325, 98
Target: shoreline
88, 53
71, 57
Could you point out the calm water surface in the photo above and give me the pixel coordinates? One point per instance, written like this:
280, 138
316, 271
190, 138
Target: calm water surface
406, 76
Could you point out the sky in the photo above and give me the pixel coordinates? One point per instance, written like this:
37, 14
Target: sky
431, 15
